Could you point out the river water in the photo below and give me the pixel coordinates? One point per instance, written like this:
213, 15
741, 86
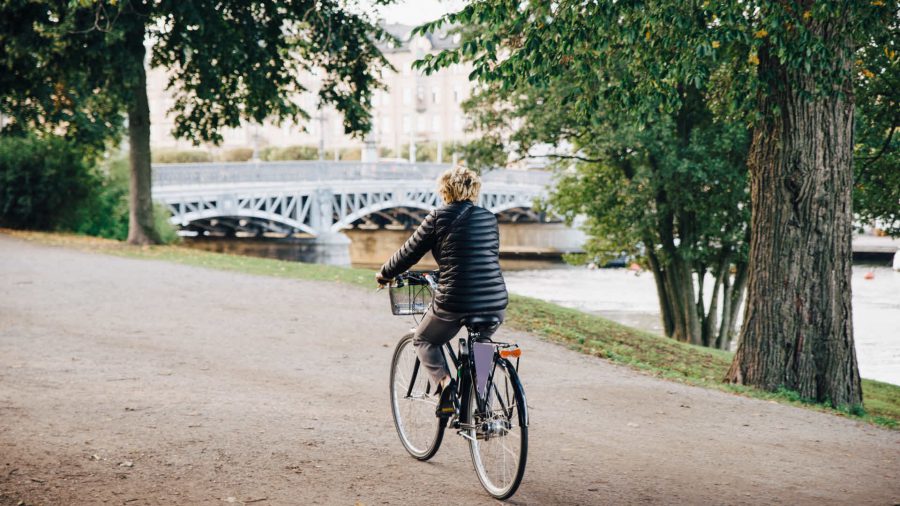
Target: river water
622, 296
617, 294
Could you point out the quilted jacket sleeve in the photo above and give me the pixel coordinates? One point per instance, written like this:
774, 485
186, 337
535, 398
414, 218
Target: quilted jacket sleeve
412, 250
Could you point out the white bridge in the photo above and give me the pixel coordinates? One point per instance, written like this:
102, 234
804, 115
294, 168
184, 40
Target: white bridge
320, 199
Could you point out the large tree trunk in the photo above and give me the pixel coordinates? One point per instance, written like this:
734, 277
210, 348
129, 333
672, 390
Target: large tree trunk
798, 330
141, 229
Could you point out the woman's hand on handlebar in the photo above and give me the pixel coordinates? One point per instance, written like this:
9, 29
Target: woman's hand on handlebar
381, 280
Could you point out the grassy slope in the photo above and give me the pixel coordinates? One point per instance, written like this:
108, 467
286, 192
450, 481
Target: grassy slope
580, 331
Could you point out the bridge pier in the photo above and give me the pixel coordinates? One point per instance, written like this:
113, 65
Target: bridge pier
332, 248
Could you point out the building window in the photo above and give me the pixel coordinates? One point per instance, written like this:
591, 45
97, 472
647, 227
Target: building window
458, 123
435, 123
420, 123
386, 125
435, 96
407, 124
457, 96
407, 96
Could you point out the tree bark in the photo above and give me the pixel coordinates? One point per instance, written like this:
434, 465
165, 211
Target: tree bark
678, 287
732, 298
711, 318
798, 330
665, 307
141, 228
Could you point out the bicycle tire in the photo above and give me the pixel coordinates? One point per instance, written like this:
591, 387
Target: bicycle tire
415, 439
507, 489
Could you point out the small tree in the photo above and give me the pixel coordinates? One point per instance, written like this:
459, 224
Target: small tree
80, 67
670, 190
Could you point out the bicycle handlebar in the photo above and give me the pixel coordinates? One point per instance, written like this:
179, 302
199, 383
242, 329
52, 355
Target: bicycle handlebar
429, 278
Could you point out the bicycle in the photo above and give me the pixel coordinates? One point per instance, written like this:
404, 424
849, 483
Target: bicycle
490, 411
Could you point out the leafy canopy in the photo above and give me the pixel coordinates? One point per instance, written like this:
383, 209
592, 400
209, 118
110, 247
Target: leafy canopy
74, 64
657, 47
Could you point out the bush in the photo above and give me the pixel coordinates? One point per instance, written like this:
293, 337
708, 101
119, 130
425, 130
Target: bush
105, 212
236, 155
42, 182
179, 156
427, 151
351, 154
273, 154
168, 233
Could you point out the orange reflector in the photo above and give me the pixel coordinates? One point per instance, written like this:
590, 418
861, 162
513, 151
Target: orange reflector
515, 352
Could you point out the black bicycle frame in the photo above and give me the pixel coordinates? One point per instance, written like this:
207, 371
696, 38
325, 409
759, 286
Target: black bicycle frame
466, 376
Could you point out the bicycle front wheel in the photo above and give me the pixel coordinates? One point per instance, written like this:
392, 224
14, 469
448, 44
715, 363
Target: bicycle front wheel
413, 403
498, 440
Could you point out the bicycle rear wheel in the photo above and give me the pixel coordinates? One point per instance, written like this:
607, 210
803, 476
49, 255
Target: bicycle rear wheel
499, 441
413, 403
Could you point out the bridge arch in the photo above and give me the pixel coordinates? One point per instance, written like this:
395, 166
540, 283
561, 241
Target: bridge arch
349, 219
211, 214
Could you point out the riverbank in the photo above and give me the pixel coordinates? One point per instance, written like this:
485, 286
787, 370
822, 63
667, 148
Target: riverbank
630, 298
584, 332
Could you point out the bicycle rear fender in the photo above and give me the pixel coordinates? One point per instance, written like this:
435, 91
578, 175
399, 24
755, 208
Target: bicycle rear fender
515, 377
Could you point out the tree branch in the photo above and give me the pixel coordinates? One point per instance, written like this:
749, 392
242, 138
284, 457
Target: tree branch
884, 148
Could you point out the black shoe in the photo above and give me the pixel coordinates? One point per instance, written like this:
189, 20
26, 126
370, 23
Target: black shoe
445, 406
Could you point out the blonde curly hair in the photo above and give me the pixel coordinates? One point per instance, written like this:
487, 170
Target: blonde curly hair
459, 183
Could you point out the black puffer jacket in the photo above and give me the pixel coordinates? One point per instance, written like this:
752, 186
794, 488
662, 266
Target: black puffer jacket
468, 257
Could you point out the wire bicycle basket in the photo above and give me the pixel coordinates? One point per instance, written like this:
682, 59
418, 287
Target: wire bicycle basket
410, 295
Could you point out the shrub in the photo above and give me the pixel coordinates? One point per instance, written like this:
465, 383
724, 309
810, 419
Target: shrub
273, 154
105, 212
43, 181
427, 151
236, 155
162, 155
351, 154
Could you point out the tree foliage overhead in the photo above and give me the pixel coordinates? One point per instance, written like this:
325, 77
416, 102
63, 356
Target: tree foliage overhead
68, 63
656, 47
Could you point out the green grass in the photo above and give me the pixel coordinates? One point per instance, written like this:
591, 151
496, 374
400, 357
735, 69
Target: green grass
578, 330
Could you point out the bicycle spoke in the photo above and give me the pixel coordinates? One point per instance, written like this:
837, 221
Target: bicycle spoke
412, 407
499, 447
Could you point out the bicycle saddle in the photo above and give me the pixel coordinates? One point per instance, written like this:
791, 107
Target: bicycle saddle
481, 321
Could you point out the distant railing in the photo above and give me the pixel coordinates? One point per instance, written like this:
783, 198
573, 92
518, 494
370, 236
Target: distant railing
189, 174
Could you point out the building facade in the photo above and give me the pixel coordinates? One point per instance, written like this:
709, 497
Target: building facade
413, 109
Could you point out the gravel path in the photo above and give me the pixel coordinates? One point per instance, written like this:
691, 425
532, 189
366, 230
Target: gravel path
140, 382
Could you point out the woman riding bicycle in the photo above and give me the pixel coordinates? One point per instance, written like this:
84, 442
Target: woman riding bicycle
465, 241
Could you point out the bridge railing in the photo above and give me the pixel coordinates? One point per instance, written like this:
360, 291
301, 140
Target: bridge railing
189, 174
